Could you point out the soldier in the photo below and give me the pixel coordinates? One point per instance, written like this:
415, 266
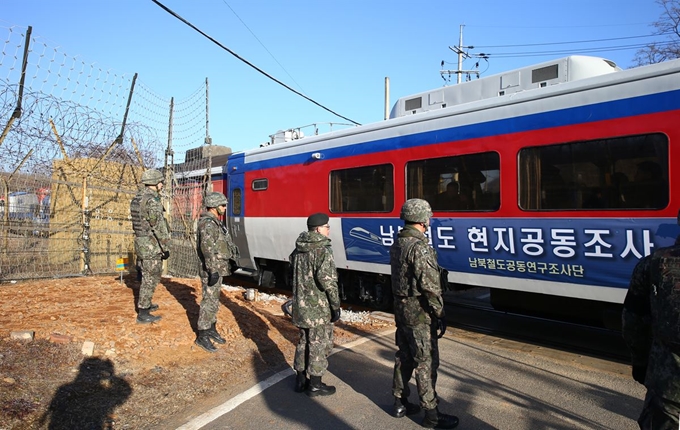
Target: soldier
215, 250
651, 329
419, 315
152, 237
316, 305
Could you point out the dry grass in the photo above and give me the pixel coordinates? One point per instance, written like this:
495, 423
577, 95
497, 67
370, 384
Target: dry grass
140, 375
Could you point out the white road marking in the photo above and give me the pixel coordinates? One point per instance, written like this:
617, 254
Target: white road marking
234, 402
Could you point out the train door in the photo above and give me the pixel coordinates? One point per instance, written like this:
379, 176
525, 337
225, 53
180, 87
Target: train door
236, 220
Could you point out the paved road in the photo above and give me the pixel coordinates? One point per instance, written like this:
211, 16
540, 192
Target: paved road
489, 383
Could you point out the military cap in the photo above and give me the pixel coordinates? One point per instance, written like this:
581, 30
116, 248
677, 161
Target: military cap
152, 177
214, 200
317, 219
416, 210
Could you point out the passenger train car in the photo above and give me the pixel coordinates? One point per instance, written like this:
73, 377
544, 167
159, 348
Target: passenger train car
547, 183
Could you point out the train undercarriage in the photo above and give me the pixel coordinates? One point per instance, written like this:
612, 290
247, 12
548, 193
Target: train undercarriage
374, 291
567, 309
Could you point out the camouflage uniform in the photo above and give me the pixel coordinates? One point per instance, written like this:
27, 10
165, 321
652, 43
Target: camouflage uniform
215, 249
315, 292
651, 328
152, 237
417, 306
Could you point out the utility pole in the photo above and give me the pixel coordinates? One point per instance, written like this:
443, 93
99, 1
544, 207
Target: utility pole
460, 50
460, 53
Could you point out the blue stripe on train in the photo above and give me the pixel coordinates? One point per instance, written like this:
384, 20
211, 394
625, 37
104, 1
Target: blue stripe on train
587, 251
649, 104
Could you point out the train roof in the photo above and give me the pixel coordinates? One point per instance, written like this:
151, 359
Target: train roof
541, 75
582, 74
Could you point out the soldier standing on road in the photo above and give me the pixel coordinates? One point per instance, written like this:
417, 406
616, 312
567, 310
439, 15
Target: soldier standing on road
419, 315
651, 328
152, 237
316, 304
215, 249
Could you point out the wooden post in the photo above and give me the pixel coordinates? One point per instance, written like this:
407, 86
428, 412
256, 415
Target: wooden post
5, 217
84, 258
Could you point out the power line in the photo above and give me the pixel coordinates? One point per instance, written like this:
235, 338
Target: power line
249, 63
265, 48
568, 43
570, 51
570, 26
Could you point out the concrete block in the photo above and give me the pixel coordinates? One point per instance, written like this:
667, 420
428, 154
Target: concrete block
60, 338
22, 335
88, 348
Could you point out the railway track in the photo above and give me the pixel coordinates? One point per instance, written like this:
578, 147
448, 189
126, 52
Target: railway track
480, 317
569, 337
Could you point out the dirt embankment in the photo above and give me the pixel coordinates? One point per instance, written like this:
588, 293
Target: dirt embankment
139, 374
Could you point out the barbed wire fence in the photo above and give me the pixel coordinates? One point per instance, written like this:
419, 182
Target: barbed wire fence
74, 140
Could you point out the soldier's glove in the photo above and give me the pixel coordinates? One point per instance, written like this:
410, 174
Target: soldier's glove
213, 278
166, 255
335, 314
441, 327
639, 373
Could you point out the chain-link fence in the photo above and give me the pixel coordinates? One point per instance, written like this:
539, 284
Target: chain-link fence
74, 141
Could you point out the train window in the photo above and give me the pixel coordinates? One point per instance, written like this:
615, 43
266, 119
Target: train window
260, 184
363, 189
618, 173
463, 183
236, 201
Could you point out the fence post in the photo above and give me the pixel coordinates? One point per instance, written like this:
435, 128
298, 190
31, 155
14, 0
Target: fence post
17, 111
169, 192
208, 141
5, 216
16, 114
85, 252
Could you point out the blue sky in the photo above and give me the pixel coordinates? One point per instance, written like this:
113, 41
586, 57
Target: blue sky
335, 52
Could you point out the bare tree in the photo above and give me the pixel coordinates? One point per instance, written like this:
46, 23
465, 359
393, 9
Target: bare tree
668, 25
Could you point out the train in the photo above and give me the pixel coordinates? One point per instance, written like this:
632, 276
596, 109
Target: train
547, 183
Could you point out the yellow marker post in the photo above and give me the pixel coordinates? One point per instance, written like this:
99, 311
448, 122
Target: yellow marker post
121, 266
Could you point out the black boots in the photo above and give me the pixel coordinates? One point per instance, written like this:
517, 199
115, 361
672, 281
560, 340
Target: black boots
318, 388
203, 340
214, 335
301, 381
403, 407
144, 316
153, 307
434, 419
